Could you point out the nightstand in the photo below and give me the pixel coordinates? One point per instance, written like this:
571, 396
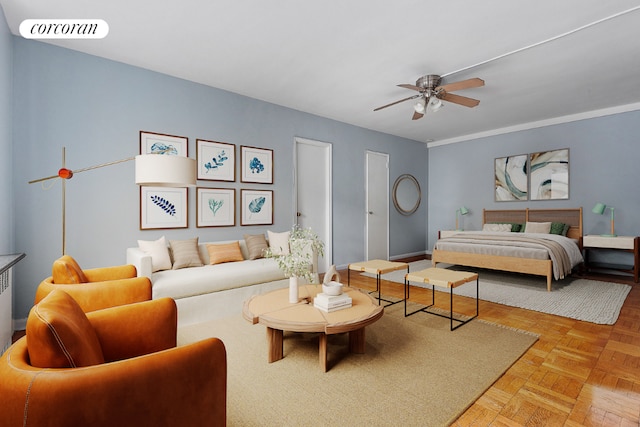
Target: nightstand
619, 243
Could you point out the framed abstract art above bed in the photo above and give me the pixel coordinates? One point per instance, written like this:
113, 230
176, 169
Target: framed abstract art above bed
536, 176
549, 175
511, 178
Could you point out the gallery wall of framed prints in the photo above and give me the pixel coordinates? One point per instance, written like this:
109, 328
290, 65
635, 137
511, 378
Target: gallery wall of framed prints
216, 205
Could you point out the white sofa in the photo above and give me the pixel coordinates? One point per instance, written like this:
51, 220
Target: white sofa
211, 291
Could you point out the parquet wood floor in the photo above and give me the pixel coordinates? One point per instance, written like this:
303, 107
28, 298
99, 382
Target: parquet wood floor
576, 374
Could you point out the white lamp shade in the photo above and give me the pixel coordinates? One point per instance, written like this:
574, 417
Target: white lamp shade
160, 170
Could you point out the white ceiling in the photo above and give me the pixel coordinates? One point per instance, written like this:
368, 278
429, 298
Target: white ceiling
342, 58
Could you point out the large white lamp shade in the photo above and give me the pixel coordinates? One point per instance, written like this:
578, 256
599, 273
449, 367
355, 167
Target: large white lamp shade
159, 170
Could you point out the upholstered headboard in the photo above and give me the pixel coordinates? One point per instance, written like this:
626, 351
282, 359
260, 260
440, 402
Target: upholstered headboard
571, 216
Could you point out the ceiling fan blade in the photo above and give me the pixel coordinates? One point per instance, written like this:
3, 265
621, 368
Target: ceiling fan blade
463, 84
458, 99
416, 115
397, 102
412, 87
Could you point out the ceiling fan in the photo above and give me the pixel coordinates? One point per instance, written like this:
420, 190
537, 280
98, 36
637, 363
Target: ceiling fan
431, 94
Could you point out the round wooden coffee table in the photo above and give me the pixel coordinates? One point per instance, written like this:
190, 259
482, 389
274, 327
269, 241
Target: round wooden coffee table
274, 310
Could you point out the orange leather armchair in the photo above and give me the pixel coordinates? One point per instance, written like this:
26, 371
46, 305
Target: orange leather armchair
98, 288
117, 367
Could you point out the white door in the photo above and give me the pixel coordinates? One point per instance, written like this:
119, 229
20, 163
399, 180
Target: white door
312, 182
377, 206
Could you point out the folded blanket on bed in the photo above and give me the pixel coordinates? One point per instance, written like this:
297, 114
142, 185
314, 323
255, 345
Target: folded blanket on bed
563, 252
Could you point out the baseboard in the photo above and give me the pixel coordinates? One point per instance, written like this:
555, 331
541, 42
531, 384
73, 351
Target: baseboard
393, 258
409, 255
19, 324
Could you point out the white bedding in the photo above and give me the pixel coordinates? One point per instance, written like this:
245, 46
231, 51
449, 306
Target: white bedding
464, 242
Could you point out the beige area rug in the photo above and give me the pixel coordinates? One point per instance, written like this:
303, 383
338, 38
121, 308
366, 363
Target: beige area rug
415, 372
588, 300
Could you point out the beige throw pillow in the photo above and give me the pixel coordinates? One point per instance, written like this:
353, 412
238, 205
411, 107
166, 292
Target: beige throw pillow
256, 245
537, 227
497, 227
279, 242
159, 252
185, 253
224, 252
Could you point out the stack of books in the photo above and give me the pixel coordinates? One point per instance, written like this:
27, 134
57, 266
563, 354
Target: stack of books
330, 303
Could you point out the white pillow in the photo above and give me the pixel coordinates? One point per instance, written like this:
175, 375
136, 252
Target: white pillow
537, 227
496, 227
279, 242
159, 252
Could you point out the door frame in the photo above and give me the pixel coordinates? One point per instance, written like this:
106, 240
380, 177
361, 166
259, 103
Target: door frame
366, 184
328, 214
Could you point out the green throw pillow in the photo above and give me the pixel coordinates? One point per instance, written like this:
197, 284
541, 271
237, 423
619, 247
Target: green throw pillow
516, 227
559, 228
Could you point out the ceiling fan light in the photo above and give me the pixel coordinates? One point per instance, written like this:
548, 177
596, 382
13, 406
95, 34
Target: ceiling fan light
435, 104
420, 106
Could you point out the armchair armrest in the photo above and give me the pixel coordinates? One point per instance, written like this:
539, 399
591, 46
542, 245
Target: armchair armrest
98, 295
180, 386
102, 274
135, 329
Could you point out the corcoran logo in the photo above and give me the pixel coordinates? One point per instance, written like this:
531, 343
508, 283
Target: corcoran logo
64, 29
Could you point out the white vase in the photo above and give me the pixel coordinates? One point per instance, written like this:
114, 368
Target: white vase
293, 289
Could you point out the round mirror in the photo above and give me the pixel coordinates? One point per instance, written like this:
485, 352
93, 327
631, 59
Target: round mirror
406, 194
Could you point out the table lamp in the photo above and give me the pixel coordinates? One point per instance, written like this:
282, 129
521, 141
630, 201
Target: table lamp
462, 211
599, 209
157, 170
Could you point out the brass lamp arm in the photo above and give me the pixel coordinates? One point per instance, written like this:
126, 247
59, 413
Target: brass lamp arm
65, 173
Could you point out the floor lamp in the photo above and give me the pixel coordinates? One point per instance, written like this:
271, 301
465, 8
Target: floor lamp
157, 170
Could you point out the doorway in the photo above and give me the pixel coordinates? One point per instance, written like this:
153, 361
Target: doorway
377, 206
312, 193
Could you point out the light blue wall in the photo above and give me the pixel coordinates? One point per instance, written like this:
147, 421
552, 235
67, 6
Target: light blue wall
96, 109
603, 155
6, 164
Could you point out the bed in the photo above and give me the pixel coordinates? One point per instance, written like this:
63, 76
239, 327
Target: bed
494, 251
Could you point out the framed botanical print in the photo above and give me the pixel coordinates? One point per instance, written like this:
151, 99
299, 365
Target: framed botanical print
158, 143
257, 207
163, 207
549, 175
216, 207
510, 178
257, 165
216, 160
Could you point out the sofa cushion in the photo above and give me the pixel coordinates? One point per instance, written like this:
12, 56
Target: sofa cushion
185, 253
279, 242
225, 252
190, 282
66, 271
159, 252
59, 335
256, 244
